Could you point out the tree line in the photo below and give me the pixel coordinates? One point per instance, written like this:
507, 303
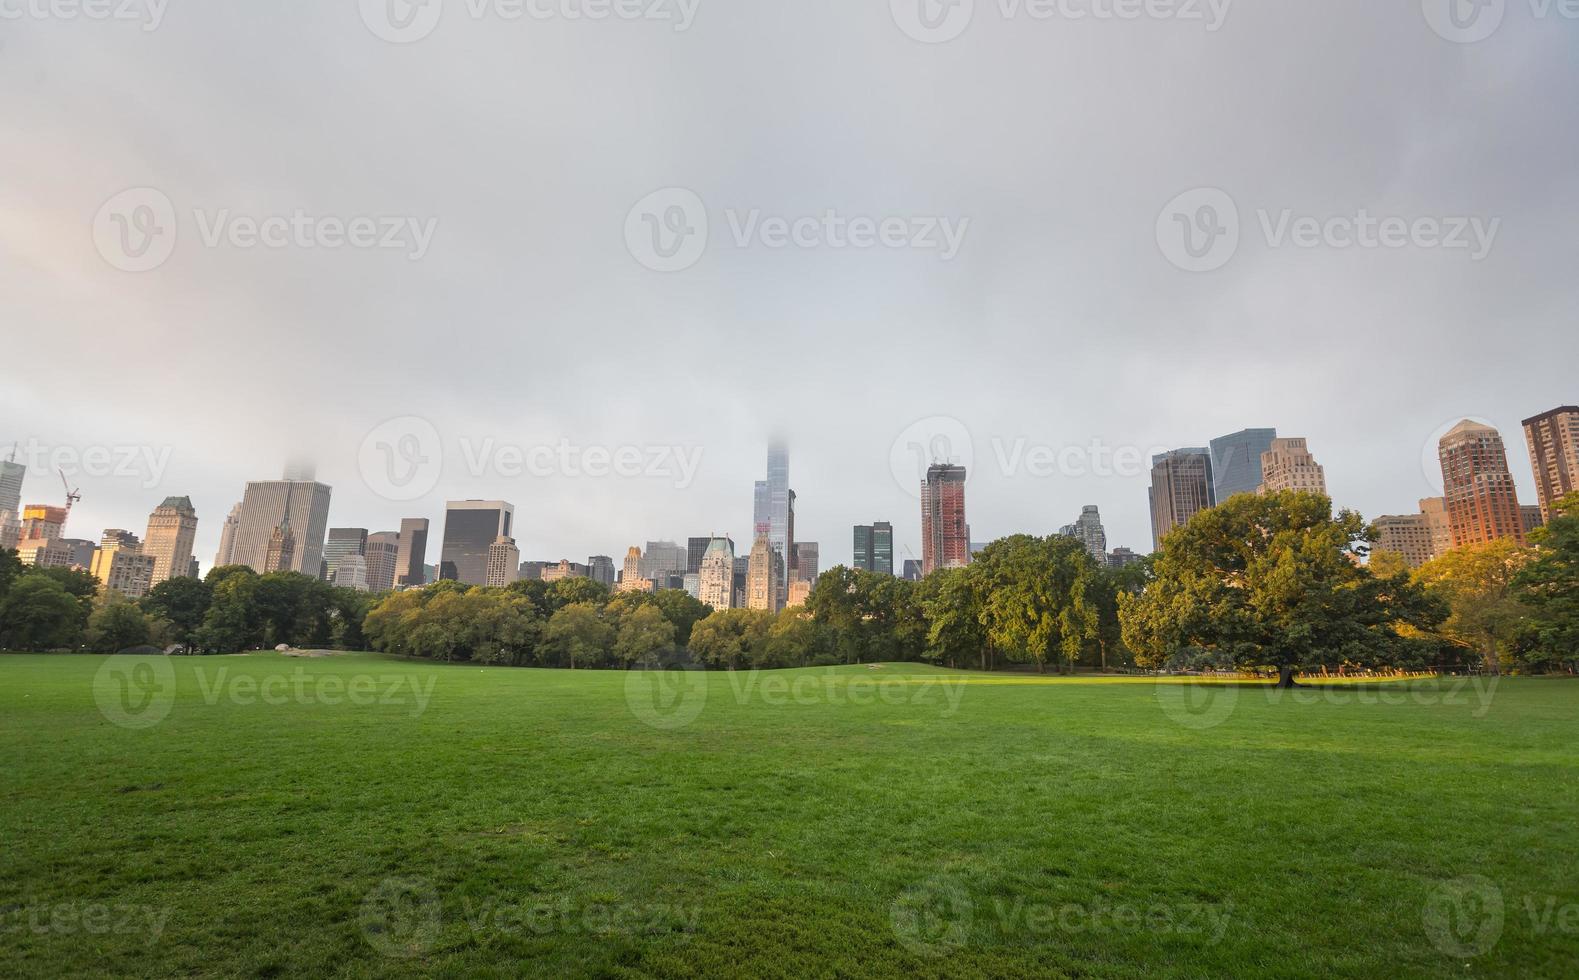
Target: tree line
1277, 582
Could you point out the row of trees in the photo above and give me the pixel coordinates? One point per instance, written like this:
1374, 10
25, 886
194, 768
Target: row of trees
1025, 600
231, 609
1276, 581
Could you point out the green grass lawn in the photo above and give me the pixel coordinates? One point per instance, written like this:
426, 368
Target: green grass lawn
362, 816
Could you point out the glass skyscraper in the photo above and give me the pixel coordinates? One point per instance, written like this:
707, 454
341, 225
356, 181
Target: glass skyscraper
470, 529
1236, 462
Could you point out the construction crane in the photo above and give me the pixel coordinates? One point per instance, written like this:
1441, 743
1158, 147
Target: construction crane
72, 496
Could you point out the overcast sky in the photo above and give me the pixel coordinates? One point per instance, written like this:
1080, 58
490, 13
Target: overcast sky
545, 180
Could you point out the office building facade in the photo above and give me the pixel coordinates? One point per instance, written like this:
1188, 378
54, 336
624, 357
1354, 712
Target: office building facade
471, 527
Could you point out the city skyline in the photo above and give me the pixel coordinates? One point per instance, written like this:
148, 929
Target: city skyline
1522, 469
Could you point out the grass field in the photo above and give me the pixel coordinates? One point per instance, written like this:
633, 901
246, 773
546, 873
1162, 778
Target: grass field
359, 816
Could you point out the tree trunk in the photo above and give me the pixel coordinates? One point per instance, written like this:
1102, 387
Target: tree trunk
1285, 677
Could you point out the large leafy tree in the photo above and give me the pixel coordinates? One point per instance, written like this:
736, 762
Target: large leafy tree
181, 602
1549, 585
1477, 582
731, 638
1034, 597
579, 633
682, 610
11, 568
115, 626
39, 614
645, 635
951, 606
1274, 581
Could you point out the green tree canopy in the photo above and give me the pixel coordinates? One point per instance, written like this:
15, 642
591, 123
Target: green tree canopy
1274, 581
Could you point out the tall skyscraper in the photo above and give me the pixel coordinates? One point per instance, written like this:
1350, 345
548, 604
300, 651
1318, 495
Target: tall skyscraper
120, 565
773, 515
1181, 487
1088, 530
716, 576
1434, 510
413, 555
227, 538
695, 549
631, 578
1553, 438
874, 547
265, 506
470, 528
600, 568
1236, 462
912, 570
342, 541
12, 474
807, 559
1288, 465
382, 554
762, 576
1482, 503
172, 530
945, 533
504, 562
281, 552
